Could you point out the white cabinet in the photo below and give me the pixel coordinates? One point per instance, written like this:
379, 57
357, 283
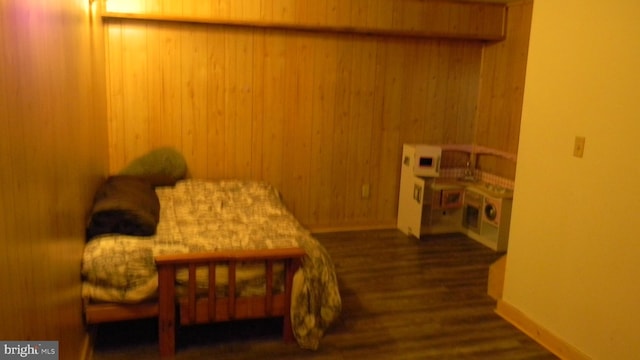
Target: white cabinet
410, 203
424, 206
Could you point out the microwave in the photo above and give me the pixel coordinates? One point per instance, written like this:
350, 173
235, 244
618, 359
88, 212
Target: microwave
423, 160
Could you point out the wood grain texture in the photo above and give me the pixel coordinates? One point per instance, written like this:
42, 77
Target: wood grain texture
318, 114
53, 154
442, 18
502, 90
403, 298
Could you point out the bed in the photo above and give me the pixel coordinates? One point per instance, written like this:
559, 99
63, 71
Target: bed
204, 251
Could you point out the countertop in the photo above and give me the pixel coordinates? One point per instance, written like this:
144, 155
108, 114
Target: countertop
484, 188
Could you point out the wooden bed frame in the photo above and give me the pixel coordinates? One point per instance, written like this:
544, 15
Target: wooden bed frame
206, 308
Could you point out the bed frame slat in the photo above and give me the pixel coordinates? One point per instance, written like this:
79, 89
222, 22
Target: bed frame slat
211, 308
232, 289
268, 299
191, 309
212, 292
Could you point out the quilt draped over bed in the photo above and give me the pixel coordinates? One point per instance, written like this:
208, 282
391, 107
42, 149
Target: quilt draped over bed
202, 216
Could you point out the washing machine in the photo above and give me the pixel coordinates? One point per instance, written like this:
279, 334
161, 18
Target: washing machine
496, 219
492, 210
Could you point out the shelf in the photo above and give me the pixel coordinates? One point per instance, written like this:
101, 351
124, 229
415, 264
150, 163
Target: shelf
442, 19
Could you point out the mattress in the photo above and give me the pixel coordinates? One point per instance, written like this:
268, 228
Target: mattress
202, 216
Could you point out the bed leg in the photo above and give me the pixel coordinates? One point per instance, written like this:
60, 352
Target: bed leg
167, 311
288, 330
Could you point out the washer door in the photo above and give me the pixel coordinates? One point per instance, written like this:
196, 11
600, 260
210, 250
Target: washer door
490, 212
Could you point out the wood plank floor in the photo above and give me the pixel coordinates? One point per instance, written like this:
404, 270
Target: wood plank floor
403, 298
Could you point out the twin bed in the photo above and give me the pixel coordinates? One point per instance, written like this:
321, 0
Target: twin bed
204, 251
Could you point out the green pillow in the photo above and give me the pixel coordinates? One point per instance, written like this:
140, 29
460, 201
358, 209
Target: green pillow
162, 166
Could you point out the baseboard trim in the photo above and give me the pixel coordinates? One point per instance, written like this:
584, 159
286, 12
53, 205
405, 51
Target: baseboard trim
329, 229
544, 337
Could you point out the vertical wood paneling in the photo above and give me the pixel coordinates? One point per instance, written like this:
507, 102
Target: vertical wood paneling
383, 152
316, 114
271, 114
155, 82
363, 63
502, 90
239, 122
220, 8
311, 12
53, 153
279, 10
434, 130
469, 89
273, 145
134, 65
341, 141
194, 95
115, 107
414, 94
454, 87
297, 120
258, 104
247, 9
216, 107
169, 6
323, 127
167, 63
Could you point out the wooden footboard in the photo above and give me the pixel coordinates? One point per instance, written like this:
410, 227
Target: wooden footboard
198, 308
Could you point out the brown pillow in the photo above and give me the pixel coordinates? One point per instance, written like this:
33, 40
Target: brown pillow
124, 205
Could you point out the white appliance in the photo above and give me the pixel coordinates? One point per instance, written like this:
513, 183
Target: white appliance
486, 218
496, 218
422, 160
423, 205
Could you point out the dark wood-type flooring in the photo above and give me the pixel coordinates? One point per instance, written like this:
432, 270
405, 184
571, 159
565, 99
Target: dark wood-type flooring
403, 298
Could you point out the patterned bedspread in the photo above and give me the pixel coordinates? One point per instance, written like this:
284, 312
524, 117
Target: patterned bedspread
197, 216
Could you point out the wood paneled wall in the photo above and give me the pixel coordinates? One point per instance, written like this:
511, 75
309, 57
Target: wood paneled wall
502, 90
53, 152
317, 113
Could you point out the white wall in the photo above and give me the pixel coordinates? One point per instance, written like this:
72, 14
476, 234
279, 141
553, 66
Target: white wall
574, 255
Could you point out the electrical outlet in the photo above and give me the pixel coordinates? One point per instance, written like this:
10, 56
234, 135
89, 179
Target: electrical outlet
578, 146
365, 191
